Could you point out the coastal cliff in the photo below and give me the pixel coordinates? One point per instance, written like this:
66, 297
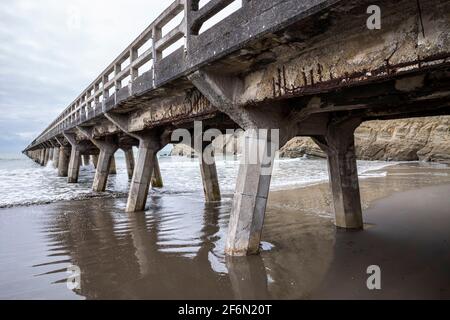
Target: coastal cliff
424, 139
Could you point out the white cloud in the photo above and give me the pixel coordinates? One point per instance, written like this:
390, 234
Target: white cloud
51, 50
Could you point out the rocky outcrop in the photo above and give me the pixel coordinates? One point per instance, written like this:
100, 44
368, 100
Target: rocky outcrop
425, 139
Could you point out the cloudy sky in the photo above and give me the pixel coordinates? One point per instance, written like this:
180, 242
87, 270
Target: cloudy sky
51, 50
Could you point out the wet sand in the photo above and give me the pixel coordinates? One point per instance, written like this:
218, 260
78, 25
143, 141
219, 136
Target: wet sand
175, 249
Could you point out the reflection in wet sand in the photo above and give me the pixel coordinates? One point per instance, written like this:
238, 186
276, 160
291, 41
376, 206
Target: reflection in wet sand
175, 250
165, 253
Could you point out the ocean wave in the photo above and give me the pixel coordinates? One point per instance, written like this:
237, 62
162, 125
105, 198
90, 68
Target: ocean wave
80, 197
26, 183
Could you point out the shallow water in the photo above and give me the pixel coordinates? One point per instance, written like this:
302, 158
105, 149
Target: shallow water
23, 182
175, 250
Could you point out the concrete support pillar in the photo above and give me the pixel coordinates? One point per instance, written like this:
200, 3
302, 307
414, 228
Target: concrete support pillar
50, 154
75, 158
74, 165
46, 156
103, 166
112, 167
157, 181
55, 157
95, 160
63, 163
86, 159
129, 161
140, 184
42, 157
209, 174
339, 145
250, 197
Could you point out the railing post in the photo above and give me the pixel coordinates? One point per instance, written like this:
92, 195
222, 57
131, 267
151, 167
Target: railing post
156, 35
105, 91
189, 6
117, 83
134, 72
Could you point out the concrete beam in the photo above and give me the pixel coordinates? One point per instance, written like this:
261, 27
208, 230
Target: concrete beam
339, 145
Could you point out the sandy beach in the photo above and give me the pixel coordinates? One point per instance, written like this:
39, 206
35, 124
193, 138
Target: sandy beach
175, 250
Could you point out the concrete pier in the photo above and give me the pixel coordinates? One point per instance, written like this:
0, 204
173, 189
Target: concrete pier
129, 161
339, 145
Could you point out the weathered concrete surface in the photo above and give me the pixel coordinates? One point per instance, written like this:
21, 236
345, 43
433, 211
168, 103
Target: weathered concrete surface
345, 46
95, 160
102, 171
250, 198
129, 161
210, 179
107, 150
75, 158
46, 156
86, 159
338, 143
112, 166
63, 164
157, 181
293, 65
55, 157
140, 184
74, 165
